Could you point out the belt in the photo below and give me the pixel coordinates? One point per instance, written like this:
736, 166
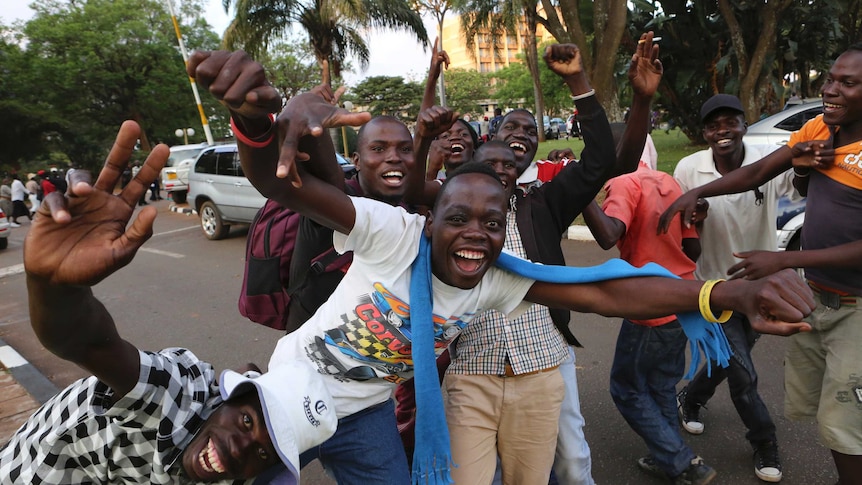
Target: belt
509, 372
832, 298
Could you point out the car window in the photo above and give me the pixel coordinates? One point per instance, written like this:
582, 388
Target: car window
796, 121
207, 162
178, 156
228, 163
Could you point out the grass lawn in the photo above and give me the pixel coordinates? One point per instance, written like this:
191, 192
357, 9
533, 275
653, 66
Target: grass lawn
671, 148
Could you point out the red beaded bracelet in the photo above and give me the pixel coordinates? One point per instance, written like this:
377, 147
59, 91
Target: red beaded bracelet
240, 136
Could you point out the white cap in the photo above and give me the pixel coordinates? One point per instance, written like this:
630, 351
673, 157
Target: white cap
296, 405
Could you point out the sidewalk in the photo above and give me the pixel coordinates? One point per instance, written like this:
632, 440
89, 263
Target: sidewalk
22, 390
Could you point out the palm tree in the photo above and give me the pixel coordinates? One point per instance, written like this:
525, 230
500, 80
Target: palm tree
334, 27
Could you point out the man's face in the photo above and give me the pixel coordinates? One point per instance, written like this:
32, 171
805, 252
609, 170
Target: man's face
467, 228
232, 444
454, 146
502, 159
518, 130
723, 131
385, 155
842, 91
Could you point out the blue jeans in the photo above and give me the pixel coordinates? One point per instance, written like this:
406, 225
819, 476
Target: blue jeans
741, 379
366, 448
648, 363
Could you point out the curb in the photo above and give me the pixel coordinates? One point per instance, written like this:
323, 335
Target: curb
579, 233
33, 381
182, 210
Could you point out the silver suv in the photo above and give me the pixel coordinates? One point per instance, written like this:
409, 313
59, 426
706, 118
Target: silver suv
175, 175
220, 192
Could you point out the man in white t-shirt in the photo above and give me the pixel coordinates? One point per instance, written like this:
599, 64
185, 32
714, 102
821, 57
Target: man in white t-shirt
361, 338
735, 223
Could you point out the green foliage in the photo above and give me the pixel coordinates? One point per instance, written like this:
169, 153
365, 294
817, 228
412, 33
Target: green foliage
291, 68
465, 89
334, 27
91, 65
388, 95
515, 88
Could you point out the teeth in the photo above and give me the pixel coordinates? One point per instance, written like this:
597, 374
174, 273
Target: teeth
457, 147
724, 142
518, 146
209, 459
466, 254
394, 173
830, 105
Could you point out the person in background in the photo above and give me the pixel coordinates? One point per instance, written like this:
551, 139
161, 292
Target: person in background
32, 186
19, 208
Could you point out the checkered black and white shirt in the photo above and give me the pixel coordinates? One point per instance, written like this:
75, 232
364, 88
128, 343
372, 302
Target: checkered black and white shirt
77, 437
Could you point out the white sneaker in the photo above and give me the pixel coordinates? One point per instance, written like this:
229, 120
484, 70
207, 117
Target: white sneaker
14, 224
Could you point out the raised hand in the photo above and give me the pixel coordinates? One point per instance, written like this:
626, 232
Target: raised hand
434, 121
757, 264
308, 114
79, 238
237, 81
645, 69
564, 59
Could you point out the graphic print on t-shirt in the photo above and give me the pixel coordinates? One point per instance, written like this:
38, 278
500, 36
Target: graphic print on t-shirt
374, 339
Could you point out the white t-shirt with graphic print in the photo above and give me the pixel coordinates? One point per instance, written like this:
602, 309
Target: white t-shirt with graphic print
360, 338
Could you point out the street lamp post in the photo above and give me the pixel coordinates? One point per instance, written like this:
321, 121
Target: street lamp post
185, 133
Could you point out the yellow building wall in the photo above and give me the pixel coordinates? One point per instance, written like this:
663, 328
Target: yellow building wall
483, 59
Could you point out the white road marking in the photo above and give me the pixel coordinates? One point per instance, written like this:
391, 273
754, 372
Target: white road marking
176, 230
10, 358
163, 253
11, 270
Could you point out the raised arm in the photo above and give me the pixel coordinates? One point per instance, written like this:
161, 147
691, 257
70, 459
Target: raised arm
645, 71
739, 180
76, 241
430, 123
439, 61
240, 84
769, 303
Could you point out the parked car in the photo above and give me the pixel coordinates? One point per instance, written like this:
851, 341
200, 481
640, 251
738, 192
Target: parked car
5, 230
220, 192
554, 128
175, 175
776, 129
222, 195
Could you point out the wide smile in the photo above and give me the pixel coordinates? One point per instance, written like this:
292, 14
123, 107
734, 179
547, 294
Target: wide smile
519, 148
724, 142
457, 147
209, 459
831, 107
393, 178
470, 261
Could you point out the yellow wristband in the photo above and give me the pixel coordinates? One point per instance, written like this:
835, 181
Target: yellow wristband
703, 301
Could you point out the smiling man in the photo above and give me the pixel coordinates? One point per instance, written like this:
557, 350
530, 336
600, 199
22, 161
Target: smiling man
735, 223
822, 367
362, 338
143, 417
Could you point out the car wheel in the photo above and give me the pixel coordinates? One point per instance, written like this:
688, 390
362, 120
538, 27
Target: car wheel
4, 242
211, 222
179, 197
795, 244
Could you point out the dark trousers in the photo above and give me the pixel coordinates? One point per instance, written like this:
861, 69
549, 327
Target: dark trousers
741, 379
648, 363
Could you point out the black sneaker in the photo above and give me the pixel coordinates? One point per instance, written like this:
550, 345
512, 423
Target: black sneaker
648, 464
698, 473
767, 465
689, 414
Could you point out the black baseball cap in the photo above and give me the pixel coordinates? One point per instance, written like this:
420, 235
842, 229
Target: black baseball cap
720, 101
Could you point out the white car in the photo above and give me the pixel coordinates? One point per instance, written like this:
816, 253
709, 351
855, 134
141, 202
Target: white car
776, 129
5, 230
175, 175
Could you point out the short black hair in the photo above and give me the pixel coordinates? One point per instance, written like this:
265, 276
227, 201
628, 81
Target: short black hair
522, 110
469, 167
488, 145
360, 135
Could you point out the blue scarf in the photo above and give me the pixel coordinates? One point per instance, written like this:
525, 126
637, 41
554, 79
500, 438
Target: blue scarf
432, 457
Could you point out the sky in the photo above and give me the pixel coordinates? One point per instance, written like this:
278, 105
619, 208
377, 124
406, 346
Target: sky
392, 54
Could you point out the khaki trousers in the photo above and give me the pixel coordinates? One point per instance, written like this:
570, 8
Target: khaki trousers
515, 417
